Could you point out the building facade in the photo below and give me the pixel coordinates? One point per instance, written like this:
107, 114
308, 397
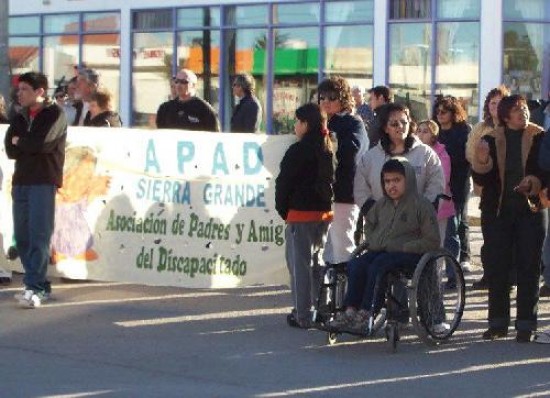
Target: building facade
420, 48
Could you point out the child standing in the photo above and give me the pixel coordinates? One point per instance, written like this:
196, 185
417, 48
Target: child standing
428, 131
303, 198
399, 229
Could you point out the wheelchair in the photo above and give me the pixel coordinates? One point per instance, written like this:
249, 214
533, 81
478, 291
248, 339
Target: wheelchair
435, 293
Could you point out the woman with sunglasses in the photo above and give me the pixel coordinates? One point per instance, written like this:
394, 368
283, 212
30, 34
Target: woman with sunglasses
396, 139
336, 101
454, 131
506, 166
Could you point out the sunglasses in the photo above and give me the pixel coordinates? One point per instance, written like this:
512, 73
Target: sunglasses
330, 98
398, 123
441, 111
181, 81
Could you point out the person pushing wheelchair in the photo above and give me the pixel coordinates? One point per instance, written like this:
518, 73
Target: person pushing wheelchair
399, 229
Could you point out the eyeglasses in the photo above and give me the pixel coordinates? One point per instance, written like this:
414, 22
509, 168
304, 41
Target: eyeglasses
330, 98
441, 111
181, 81
398, 123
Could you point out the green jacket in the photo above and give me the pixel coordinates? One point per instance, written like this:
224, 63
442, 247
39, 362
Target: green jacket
410, 226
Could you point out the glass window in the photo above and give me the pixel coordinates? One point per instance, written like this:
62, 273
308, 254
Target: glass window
102, 53
296, 69
458, 9
301, 13
526, 9
349, 11
67, 23
153, 19
410, 66
410, 9
198, 17
24, 25
457, 68
525, 62
60, 58
248, 15
24, 54
200, 52
101, 21
246, 54
348, 53
152, 71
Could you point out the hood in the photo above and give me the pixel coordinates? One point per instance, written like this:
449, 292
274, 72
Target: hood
411, 188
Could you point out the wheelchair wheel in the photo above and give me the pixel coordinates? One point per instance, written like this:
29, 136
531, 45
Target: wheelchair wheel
437, 297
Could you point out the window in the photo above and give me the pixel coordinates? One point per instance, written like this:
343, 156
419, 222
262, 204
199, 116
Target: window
24, 25
152, 70
66, 23
154, 19
410, 9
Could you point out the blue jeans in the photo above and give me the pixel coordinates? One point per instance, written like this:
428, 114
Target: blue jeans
33, 222
366, 277
546, 256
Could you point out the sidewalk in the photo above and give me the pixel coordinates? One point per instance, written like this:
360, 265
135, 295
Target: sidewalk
123, 340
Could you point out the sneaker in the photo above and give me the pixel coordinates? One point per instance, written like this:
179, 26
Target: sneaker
544, 291
343, 319
23, 294
360, 321
32, 300
481, 284
441, 328
523, 336
466, 266
494, 333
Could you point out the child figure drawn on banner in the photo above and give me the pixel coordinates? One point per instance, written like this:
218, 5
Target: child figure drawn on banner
72, 237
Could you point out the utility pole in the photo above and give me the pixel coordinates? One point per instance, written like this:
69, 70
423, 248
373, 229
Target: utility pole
5, 75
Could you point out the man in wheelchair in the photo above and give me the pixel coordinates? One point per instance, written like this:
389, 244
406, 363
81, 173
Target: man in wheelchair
399, 229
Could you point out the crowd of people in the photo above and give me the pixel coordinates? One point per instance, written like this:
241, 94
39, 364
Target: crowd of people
356, 165
389, 172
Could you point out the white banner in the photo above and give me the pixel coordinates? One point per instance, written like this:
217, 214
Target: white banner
162, 207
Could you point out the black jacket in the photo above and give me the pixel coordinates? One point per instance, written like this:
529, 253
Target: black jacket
193, 114
105, 119
247, 116
455, 140
305, 179
40, 153
352, 139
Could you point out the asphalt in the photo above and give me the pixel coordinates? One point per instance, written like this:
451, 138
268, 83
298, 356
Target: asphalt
98, 339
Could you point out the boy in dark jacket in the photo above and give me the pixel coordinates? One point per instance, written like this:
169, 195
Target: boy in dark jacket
36, 140
399, 229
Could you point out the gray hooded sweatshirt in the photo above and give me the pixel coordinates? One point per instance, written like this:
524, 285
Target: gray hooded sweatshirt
409, 226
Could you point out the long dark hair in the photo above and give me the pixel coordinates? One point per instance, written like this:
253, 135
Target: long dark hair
317, 132
383, 116
453, 105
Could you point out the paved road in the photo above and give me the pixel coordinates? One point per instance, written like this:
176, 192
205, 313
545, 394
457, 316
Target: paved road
119, 340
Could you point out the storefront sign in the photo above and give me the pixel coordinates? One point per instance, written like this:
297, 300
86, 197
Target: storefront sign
165, 208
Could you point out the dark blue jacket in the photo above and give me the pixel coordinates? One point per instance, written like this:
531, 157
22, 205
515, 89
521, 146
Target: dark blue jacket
454, 140
352, 139
247, 116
